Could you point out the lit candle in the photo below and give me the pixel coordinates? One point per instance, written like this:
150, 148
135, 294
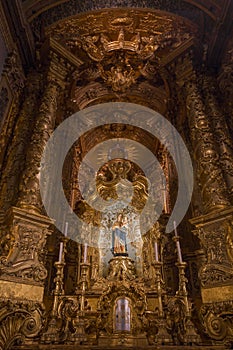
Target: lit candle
85, 253
66, 229
156, 252
60, 252
177, 244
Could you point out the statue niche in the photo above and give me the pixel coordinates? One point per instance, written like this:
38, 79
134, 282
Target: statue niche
119, 183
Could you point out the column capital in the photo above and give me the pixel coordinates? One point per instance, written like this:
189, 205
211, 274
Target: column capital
58, 70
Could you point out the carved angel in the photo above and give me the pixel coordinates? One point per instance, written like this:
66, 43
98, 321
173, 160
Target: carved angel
151, 45
119, 78
93, 51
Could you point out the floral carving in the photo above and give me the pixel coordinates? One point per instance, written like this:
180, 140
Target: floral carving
20, 321
217, 319
213, 187
215, 238
14, 72
24, 250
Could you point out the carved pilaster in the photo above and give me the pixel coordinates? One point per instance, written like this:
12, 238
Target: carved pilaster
221, 131
29, 196
216, 235
210, 177
23, 253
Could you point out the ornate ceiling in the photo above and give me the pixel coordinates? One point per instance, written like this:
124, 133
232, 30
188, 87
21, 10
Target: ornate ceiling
28, 19
122, 54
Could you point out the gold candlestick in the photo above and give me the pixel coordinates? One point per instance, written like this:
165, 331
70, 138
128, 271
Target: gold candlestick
52, 334
158, 283
84, 284
58, 286
182, 291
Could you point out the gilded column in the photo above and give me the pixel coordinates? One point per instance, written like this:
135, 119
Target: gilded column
12, 84
221, 131
214, 227
209, 173
25, 229
13, 163
29, 196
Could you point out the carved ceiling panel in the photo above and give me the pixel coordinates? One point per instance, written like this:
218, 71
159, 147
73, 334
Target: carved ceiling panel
140, 31
122, 54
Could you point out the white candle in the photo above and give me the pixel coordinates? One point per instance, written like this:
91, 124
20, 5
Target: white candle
156, 252
174, 225
179, 251
60, 252
66, 229
85, 253
177, 244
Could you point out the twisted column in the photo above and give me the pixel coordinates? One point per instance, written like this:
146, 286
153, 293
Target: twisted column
221, 131
210, 177
29, 196
15, 155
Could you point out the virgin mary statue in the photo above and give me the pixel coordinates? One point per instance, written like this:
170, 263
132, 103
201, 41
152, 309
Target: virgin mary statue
119, 232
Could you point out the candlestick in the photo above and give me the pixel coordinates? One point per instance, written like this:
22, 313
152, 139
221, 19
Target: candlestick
52, 333
158, 283
66, 229
156, 252
60, 252
85, 253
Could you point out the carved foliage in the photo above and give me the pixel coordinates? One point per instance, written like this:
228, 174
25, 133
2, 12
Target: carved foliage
19, 322
217, 319
209, 173
221, 131
24, 246
14, 72
176, 319
216, 240
15, 156
44, 125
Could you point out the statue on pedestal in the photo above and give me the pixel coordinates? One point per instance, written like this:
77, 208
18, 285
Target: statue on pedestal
119, 232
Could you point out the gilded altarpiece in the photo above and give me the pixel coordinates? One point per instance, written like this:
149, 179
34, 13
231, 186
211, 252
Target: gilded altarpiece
122, 288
